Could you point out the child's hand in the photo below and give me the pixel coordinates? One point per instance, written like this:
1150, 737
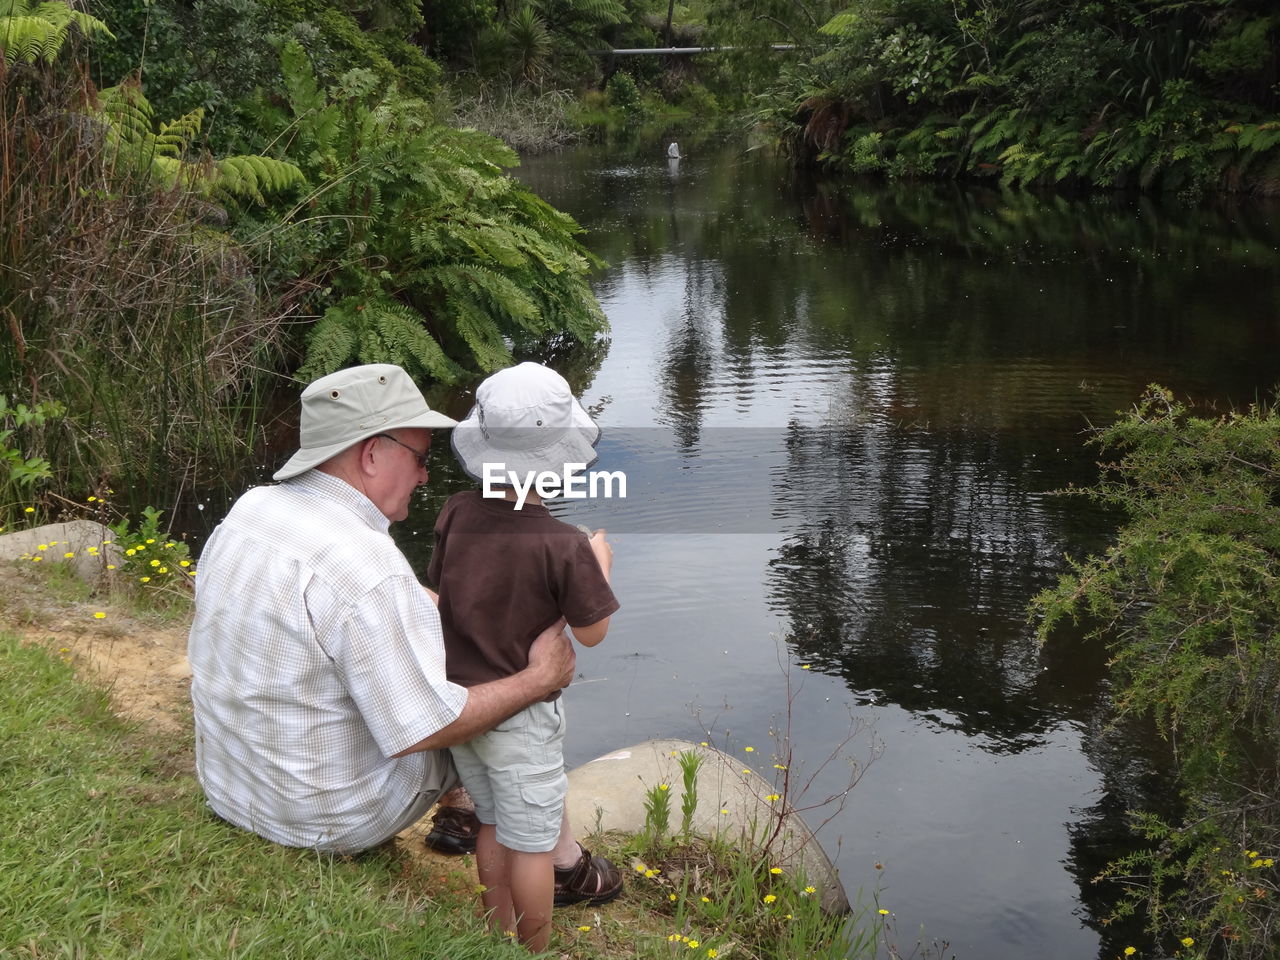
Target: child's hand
604, 553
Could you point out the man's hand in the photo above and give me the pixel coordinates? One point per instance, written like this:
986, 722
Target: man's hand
551, 657
551, 665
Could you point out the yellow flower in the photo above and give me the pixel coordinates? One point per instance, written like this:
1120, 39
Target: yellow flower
111, 566
671, 897
650, 874
68, 555
35, 559
151, 540
99, 615
93, 551
1188, 941
883, 912
1251, 854
769, 898
64, 649
693, 944
779, 766
155, 563
704, 744
787, 917
724, 811
775, 870
29, 510
711, 952
92, 499
130, 552
163, 570
1268, 862
144, 579
663, 786
749, 749
585, 927
745, 770
804, 666
43, 546
773, 796
1130, 951
641, 868
184, 563
811, 889
706, 899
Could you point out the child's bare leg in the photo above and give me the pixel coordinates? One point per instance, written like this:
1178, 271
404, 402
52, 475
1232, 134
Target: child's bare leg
532, 886
493, 865
567, 853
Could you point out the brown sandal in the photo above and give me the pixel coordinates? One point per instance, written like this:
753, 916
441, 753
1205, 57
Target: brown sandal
592, 880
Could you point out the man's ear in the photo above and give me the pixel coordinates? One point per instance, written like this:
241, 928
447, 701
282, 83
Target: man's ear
365, 456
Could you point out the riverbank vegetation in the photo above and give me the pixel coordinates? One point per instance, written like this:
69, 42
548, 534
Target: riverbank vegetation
198, 205
1188, 599
1175, 95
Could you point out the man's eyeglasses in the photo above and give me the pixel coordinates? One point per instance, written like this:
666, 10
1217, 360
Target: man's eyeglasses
422, 457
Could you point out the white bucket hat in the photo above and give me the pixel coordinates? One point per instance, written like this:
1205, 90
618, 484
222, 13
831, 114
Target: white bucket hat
343, 408
525, 418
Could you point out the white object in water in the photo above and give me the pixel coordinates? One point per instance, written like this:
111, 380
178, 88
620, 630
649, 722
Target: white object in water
673, 151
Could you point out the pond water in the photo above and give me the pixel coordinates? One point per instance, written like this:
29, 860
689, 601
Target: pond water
842, 410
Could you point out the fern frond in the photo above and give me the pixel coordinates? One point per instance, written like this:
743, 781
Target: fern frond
396, 333
252, 176
175, 137
332, 341
38, 32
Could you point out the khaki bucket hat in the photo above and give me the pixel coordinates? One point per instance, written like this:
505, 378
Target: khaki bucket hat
343, 408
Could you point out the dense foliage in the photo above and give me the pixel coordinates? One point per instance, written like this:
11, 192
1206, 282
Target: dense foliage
1188, 598
1172, 94
197, 201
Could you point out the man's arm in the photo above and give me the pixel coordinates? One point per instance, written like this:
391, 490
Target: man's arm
551, 665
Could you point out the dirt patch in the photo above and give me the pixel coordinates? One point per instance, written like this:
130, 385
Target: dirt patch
143, 665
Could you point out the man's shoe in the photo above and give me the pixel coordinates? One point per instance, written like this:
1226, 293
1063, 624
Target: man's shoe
453, 831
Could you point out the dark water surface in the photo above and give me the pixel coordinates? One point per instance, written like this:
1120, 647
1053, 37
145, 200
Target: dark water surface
840, 411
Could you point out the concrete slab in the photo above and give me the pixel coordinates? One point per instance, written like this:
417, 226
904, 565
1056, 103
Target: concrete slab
77, 537
608, 793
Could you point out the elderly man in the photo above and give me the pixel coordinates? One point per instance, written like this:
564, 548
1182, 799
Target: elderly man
321, 704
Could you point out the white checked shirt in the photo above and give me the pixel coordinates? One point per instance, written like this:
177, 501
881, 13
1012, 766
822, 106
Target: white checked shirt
315, 655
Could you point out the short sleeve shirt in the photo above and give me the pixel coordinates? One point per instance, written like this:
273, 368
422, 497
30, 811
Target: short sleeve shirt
504, 576
315, 656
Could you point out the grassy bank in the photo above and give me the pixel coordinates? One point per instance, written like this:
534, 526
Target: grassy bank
107, 848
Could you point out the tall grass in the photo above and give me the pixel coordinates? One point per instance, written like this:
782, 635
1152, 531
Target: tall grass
123, 300
528, 121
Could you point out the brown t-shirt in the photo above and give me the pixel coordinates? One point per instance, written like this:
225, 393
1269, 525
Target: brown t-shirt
505, 575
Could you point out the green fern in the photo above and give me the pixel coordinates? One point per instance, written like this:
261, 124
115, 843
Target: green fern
430, 223
166, 152
31, 32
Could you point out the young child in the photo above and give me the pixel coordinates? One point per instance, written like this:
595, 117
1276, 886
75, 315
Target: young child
506, 569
